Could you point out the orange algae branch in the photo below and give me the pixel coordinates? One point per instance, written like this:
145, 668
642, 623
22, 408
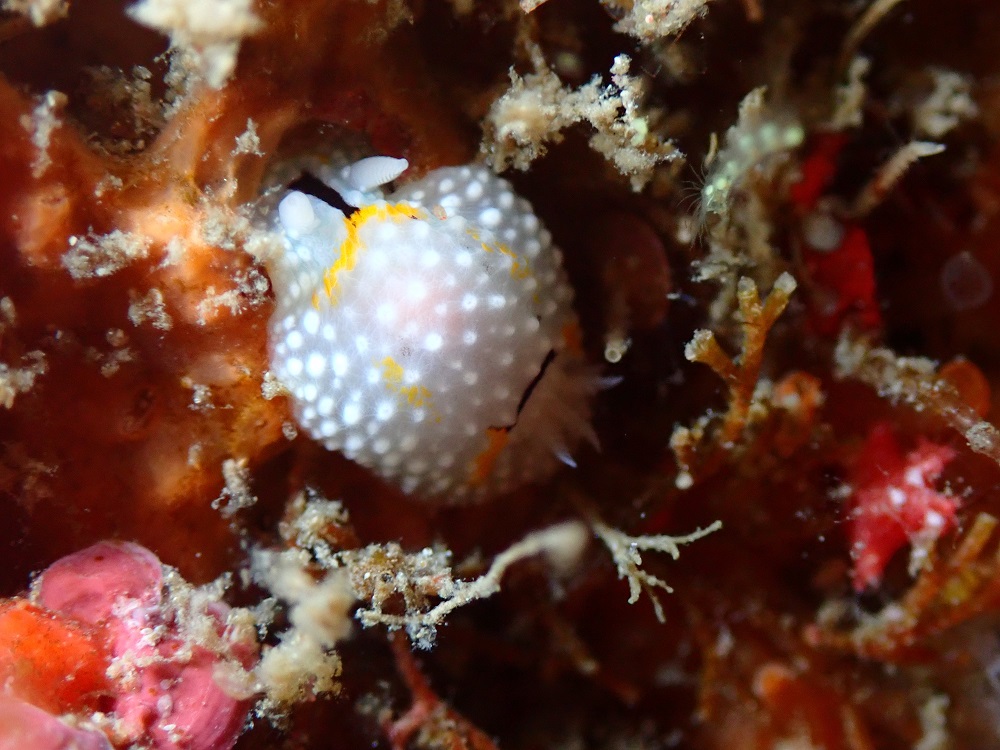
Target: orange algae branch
740, 374
949, 591
797, 397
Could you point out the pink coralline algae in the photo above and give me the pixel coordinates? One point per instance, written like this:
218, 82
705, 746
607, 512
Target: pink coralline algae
161, 689
894, 501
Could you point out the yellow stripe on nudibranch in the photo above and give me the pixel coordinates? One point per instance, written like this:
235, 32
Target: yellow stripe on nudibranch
347, 258
519, 269
392, 376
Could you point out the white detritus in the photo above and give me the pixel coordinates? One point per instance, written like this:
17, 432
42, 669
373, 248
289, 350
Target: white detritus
758, 140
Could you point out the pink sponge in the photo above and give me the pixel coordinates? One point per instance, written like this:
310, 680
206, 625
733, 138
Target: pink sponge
163, 691
87, 584
24, 726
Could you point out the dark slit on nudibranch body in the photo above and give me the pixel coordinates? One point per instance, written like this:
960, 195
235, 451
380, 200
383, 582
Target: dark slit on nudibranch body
311, 185
535, 381
527, 391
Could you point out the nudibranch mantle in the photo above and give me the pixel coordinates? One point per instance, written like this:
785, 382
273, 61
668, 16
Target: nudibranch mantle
430, 335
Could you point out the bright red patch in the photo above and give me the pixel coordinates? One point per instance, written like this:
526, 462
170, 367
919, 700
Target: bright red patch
48, 661
894, 500
841, 278
844, 284
817, 171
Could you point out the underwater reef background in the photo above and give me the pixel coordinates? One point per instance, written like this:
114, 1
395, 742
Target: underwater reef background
781, 223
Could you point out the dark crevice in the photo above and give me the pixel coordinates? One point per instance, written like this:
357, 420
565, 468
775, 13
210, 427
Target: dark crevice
527, 391
312, 185
531, 386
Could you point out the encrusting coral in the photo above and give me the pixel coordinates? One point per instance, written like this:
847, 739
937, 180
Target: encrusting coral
770, 339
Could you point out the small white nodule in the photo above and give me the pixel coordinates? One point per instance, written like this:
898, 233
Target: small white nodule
374, 171
296, 213
822, 231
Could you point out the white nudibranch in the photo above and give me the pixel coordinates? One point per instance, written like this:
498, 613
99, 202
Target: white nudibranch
430, 335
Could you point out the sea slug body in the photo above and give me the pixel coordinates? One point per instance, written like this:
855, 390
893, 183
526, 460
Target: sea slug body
430, 335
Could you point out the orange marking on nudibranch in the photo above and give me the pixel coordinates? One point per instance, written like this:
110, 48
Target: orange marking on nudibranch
573, 337
482, 465
351, 246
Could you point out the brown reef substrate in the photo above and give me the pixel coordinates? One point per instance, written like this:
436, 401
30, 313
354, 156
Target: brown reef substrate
125, 432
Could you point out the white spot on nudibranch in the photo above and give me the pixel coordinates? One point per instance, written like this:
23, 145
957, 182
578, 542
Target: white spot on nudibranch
352, 414
315, 365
